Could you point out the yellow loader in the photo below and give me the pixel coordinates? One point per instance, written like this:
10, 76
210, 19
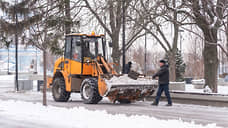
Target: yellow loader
84, 70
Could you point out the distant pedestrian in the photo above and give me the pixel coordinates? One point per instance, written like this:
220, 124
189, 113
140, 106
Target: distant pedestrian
128, 67
163, 81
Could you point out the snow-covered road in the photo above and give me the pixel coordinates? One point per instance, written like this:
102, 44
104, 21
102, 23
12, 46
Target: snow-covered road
199, 114
188, 113
34, 114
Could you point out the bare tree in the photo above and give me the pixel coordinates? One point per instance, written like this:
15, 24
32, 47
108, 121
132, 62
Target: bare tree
113, 10
225, 30
208, 16
40, 37
155, 20
47, 34
194, 57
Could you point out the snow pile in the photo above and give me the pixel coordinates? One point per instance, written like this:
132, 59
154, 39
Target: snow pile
207, 90
125, 80
83, 118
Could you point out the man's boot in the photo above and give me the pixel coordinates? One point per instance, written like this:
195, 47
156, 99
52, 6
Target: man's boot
168, 105
154, 104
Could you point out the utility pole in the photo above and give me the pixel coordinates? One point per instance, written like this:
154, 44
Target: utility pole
145, 55
180, 43
123, 16
8, 61
16, 44
36, 62
106, 39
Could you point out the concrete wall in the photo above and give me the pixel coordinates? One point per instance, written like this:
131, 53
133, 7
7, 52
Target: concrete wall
25, 85
180, 86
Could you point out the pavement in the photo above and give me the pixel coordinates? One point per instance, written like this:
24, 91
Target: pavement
186, 112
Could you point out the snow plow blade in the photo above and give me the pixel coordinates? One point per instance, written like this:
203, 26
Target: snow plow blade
124, 88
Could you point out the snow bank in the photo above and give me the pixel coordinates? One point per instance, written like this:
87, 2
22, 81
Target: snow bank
83, 118
221, 89
200, 81
7, 77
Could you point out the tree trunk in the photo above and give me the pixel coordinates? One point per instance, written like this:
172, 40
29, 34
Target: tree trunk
116, 52
173, 52
172, 66
68, 17
227, 34
227, 42
210, 55
45, 78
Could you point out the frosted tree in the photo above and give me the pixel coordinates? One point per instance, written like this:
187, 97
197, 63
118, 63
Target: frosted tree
23, 10
208, 16
16, 18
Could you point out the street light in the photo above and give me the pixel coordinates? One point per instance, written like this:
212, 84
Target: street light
145, 55
123, 16
16, 44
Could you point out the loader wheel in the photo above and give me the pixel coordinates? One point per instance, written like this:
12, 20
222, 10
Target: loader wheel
89, 91
59, 91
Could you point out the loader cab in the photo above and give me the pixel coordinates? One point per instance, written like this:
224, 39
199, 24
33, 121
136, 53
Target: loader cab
84, 48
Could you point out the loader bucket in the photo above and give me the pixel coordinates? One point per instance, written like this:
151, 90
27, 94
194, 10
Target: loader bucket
125, 88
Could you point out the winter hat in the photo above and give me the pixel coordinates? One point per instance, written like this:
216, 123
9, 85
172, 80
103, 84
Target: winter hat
162, 61
130, 62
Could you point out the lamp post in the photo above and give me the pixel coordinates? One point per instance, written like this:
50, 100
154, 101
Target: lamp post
8, 61
107, 55
36, 62
16, 44
145, 55
123, 16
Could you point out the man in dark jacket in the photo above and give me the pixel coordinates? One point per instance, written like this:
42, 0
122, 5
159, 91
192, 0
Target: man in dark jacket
128, 67
163, 81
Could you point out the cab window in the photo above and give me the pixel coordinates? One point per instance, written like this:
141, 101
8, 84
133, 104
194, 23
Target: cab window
68, 47
89, 49
76, 49
93, 47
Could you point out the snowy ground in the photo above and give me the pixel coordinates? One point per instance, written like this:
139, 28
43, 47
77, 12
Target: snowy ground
23, 109
79, 117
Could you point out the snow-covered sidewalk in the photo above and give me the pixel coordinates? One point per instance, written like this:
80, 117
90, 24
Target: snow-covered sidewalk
221, 89
79, 117
23, 109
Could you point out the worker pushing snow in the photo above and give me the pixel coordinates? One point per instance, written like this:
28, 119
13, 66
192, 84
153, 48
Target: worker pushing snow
163, 81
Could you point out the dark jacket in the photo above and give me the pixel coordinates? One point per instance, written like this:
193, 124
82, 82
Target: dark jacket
127, 68
163, 75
